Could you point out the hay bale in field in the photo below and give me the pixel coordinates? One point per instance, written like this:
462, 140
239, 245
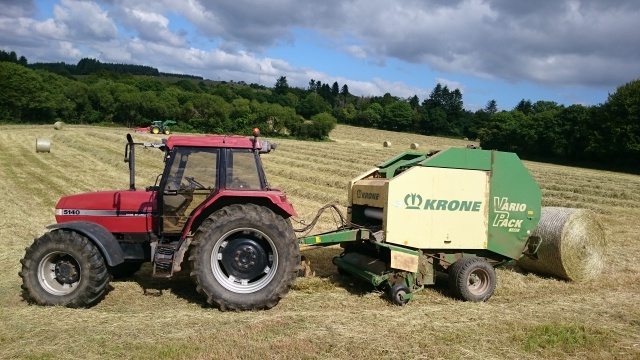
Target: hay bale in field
573, 245
43, 145
58, 125
414, 146
386, 144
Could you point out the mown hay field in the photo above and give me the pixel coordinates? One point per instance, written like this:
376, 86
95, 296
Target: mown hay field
325, 316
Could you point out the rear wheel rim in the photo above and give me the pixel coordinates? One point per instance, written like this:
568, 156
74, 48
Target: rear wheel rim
478, 282
59, 273
244, 260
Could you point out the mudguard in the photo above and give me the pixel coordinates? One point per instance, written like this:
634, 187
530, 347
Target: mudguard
100, 236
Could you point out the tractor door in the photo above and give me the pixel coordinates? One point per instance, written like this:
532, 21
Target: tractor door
190, 177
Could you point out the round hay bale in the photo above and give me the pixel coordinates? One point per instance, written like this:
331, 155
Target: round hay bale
386, 144
573, 245
466, 139
58, 125
43, 145
414, 146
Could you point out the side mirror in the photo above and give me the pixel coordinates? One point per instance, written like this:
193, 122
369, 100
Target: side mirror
267, 147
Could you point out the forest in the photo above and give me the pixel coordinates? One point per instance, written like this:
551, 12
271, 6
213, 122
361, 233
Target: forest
91, 92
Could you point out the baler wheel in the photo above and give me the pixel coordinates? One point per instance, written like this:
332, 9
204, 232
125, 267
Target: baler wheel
397, 292
244, 257
63, 268
155, 130
472, 279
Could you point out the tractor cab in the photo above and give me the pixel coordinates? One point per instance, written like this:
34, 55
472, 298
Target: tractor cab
203, 174
195, 173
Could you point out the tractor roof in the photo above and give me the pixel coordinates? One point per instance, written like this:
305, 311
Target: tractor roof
213, 141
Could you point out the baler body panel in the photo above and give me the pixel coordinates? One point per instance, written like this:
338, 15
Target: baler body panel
457, 199
514, 206
438, 208
461, 158
371, 192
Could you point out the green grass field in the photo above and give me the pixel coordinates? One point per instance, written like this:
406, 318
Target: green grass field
325, 316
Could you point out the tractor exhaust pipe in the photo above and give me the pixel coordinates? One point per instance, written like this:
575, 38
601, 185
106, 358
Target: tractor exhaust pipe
130, 157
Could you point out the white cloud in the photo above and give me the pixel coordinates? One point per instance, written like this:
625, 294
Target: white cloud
85, 21
355, 51
451, 84
150, 26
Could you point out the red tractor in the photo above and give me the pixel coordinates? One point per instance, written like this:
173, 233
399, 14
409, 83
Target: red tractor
212, 206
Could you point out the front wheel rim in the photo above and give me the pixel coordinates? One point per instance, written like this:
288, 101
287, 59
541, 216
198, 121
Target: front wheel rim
59, 273
244, 245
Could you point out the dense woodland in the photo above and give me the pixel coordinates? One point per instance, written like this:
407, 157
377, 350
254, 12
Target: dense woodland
92, 92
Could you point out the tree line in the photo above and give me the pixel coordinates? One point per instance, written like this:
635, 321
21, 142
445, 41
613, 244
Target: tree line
607, 134
87, 66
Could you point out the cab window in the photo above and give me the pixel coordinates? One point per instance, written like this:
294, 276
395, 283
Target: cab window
242, 170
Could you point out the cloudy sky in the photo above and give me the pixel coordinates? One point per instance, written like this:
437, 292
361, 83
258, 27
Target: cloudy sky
568, 51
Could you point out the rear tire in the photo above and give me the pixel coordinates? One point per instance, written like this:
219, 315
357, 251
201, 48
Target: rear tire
472, 279
155, 130
63, 268
244, 257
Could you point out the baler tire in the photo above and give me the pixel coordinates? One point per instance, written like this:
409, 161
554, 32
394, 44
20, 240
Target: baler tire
244, 257
396, 292
59, 254
125, 270
472, 279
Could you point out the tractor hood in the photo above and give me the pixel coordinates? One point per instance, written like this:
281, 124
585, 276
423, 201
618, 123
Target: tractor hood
123, 211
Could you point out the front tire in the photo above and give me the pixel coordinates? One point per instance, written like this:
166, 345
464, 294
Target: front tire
472, 279
244, 257
63, 268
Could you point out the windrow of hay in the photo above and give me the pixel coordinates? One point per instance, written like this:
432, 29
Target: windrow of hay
573, 245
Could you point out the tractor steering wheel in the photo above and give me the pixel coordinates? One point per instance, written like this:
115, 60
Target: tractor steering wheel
194, 183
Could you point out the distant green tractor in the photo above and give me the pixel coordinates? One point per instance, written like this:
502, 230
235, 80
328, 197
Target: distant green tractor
158, 127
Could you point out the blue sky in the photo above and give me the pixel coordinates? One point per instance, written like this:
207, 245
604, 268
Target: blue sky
568, 51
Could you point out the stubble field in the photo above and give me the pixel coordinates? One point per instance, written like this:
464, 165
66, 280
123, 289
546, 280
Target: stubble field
325, 316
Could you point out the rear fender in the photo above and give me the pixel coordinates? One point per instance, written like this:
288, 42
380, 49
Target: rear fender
99, 236
274, 201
